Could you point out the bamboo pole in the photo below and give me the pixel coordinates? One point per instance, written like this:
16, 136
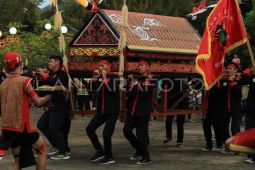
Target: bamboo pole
251, 53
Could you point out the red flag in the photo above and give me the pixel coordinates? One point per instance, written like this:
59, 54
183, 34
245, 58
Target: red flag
224, 31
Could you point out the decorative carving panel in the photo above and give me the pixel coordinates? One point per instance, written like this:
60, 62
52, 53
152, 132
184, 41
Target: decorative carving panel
164, 68
94, 52
132, 67
88, 66
97, 32
2, 44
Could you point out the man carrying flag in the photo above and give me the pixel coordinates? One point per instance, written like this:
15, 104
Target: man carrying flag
224, 32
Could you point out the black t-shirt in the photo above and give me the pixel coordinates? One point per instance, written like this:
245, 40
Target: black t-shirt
58, 100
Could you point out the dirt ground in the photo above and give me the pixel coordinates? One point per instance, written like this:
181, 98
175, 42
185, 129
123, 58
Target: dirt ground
164, 156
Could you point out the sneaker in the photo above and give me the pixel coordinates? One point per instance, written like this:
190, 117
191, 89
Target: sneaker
68, 153
235, 153
190, 121
217, 149
221, 150
207, 149
135, 156
60, 157
167, 140
144, 161
179, 145
106, 161
1, 158
2, 152
249, 160
52, 151
98, 156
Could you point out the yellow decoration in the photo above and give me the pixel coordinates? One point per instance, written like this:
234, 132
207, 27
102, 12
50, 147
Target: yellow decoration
62, 43
58, 20
53, 2
123, 37
83, 3
121, 47
10, 38
2, 44
91, 51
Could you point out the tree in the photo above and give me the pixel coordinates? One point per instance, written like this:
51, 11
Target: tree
36, 46
162, 7
24, 11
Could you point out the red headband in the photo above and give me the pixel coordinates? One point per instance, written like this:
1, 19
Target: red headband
143, 63
105, 63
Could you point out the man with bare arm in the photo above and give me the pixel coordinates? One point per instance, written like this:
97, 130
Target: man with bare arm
17, 123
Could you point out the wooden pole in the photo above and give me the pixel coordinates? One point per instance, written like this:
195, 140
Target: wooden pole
251, 53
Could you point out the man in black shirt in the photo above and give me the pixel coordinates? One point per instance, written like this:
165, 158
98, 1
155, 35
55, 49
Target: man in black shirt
108, 104
248, 77
234, 97
139, 103
55, 122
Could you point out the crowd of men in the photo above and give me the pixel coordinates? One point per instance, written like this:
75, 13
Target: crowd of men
19, 131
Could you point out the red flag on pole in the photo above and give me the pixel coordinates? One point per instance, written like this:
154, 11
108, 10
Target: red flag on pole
224, 31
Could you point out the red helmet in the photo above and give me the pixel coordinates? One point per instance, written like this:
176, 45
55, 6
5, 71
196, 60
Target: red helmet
11, 60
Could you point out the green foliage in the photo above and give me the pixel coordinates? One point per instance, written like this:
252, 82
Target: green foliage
36, 46
23, 11
73, 15
162, 7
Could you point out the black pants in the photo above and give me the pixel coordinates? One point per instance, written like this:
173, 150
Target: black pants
14, 139
83, 100
235, 117
66, 129
212, 120
7, 139
52, 125
180, 128
207, 129
110, 122
249, 120
140, 141
221, 124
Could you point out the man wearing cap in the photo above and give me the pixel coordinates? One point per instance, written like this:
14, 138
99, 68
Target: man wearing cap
18, 126
139, 103
234, 95
55, 122
108, 103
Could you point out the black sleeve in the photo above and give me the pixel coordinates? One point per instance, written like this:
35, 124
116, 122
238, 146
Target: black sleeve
244, 79
64, 79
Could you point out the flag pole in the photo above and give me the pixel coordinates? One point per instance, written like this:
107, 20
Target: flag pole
250, 53
248, 42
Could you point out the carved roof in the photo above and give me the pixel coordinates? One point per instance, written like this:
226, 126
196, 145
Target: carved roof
145, 32
148, 32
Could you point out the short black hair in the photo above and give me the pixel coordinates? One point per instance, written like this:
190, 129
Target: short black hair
56, 57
